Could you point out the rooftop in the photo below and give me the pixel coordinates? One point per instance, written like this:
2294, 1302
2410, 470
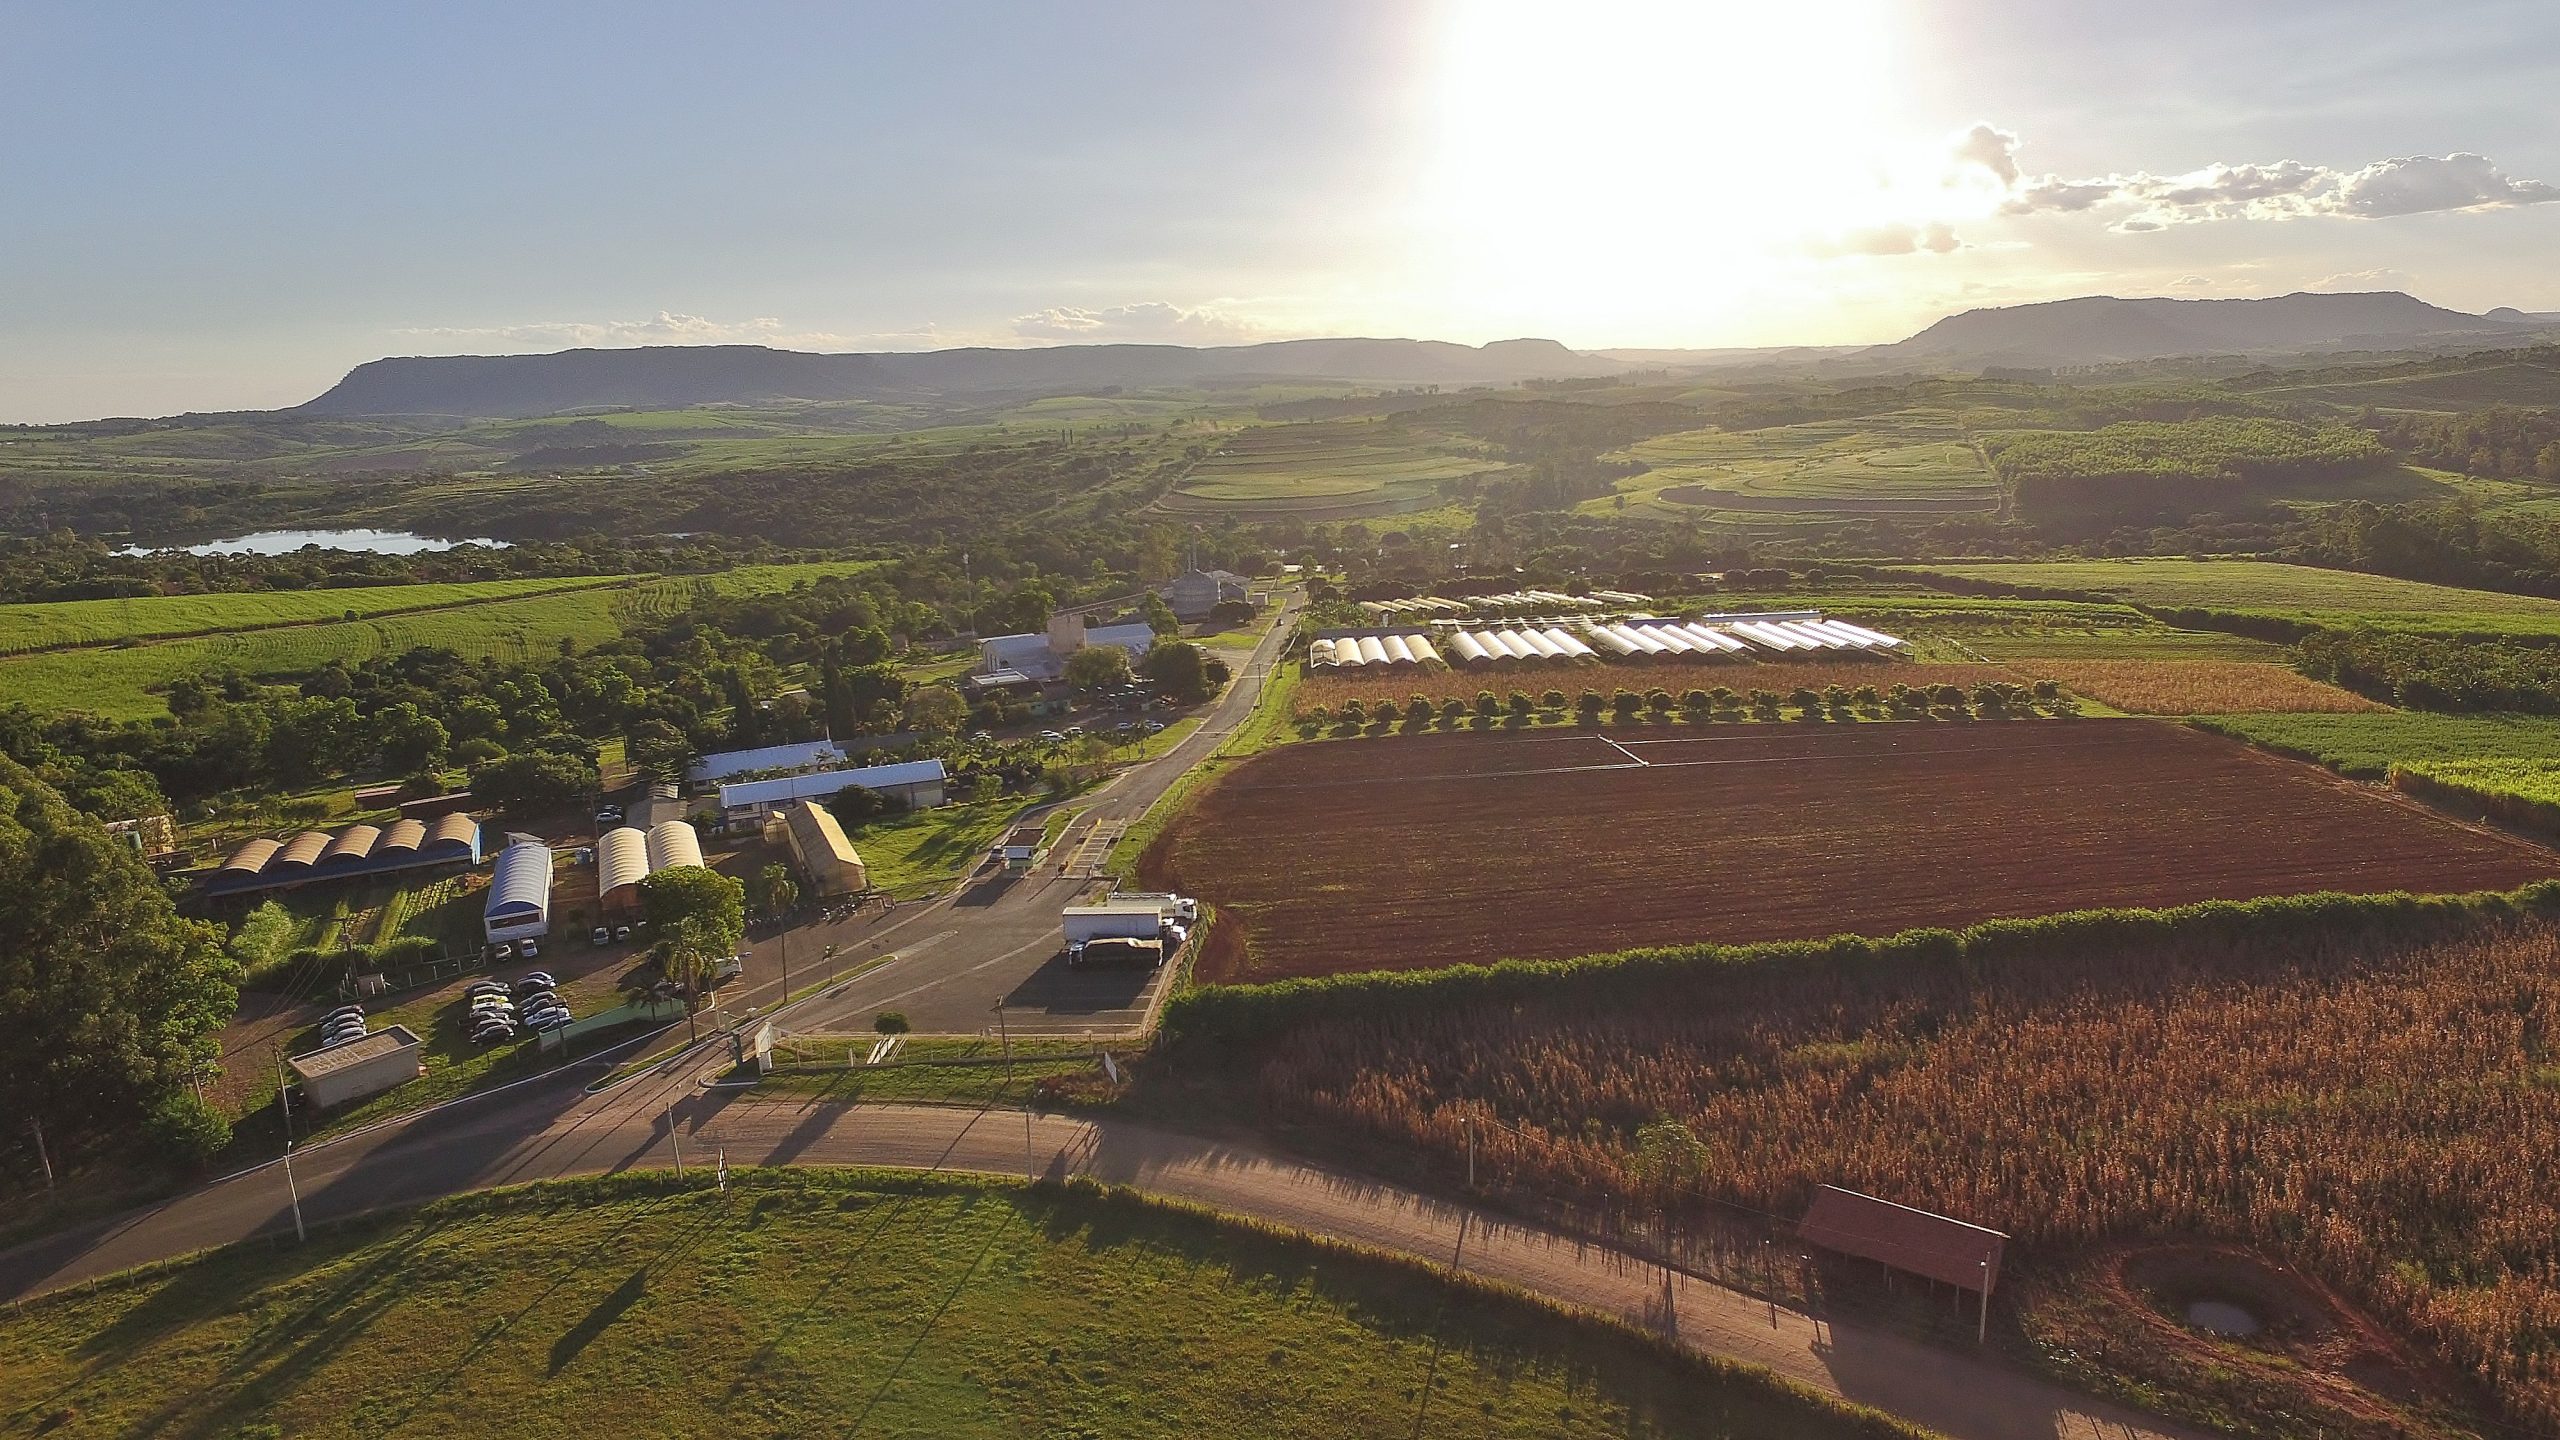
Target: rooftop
390, 1039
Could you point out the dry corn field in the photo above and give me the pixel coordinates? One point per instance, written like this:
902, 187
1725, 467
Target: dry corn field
2383, 1115
1329, 689
2196, 687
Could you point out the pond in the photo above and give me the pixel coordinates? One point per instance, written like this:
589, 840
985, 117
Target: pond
285, 542
2221, 1317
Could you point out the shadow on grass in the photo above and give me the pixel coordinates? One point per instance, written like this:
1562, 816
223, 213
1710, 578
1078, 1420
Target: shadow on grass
568, 1347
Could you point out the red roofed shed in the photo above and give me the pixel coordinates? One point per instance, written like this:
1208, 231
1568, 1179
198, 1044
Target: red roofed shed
1966, 1256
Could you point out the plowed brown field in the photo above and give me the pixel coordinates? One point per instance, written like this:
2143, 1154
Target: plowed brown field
1413, 852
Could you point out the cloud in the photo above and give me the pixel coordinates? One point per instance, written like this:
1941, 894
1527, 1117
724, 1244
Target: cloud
1992, 148
665, 328
1897, 238
2282, 190
2379, 278
1148, 320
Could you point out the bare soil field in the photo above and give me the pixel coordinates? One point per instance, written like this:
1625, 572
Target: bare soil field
1425, 851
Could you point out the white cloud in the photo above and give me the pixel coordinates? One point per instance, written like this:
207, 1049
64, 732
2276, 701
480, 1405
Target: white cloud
1152, 320
1897, 238
2283, 190
1992, 148
2352, 281
665, 328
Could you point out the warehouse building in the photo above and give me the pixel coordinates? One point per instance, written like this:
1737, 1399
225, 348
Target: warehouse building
916, 783
344, 1074
1044, 657
627, 854
519, 904
1194, 593
357, 851
829, 860
728, 764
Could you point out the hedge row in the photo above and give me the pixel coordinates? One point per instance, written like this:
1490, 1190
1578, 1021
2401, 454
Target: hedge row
1246, 1013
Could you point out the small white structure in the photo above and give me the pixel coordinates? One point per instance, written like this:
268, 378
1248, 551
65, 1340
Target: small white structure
519, 904
343, 1074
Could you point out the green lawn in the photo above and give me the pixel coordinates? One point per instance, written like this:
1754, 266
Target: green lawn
924, 1070
2367, 746
806, 1303
1916, 461
2292, 592
1323, 467
923, 850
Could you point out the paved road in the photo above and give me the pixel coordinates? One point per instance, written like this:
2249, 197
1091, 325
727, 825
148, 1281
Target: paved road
550, 1129
997, 938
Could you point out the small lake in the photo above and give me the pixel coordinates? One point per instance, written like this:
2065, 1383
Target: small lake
2221, 1317
285, 542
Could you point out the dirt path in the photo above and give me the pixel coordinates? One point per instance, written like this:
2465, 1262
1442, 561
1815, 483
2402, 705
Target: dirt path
486, 1144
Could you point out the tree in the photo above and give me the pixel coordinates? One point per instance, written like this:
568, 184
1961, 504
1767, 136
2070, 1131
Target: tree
1159, 615
776, 891
110, 999
700, 918
935, 709
1098, 667
659, 748
534, 780
1178, 668
410, 739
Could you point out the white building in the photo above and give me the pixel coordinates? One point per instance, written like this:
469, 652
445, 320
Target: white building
1044, 657
1194, 593
807, 755
519, 904
917, 782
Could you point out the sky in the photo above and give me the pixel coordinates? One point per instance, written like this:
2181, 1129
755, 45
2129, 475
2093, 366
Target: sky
212, 207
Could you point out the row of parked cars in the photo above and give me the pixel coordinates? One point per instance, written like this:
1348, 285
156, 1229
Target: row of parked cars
499, 1011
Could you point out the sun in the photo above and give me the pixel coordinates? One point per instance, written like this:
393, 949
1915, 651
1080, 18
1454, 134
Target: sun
1594, 163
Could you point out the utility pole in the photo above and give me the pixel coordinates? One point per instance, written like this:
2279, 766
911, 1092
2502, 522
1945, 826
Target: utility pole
672, 1141
43, 1158
300, 1236
786, 964
1471, 1151
1982, 1326
1007, 1037
284, 1097
829, 957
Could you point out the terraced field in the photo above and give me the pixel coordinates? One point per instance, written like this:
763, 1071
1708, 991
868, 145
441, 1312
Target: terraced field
124, 682
1915, 461
1327, 469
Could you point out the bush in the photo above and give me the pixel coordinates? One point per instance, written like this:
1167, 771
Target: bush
1552, 700
891, 1022
185, 1129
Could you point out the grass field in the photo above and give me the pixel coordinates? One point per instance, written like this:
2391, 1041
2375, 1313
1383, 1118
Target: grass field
1413, 853
1327, 468
810, 1302
1910, 461
2367, 746
2290, 592
156, 617
120, 683
923, 850
926, 1069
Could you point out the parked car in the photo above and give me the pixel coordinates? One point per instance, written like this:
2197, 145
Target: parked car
603, 935
1052, 737
1151, 727
491, 1003
490, 1032
609, 815
621, 933
526, 949
343, 1012
535, 980
729, 969
501, 953
536, 999
552, 1019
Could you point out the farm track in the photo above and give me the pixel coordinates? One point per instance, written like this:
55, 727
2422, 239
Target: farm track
1419, 852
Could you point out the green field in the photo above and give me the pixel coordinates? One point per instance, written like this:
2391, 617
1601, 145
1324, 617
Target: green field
2286, 592
1916, 461
1323, 468
2518, 383
805, 1303
921, 851
2367, 746
157, 617
121, 683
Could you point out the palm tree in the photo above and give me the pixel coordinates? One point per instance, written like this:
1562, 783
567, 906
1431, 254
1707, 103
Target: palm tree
686, 957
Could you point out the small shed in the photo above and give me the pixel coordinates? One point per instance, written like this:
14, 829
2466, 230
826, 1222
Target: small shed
1936, 1247
343, 1074
1021, 848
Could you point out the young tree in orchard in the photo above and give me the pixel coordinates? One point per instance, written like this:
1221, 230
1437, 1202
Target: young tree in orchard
1098, 667
110, 1000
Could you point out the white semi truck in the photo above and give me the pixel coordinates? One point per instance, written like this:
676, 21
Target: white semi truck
1128, 926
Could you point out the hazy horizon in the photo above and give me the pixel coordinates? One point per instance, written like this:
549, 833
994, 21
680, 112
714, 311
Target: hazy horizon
224, 212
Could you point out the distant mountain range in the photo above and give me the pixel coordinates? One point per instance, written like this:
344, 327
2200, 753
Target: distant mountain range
2091, 330
674, 376
2105, 330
